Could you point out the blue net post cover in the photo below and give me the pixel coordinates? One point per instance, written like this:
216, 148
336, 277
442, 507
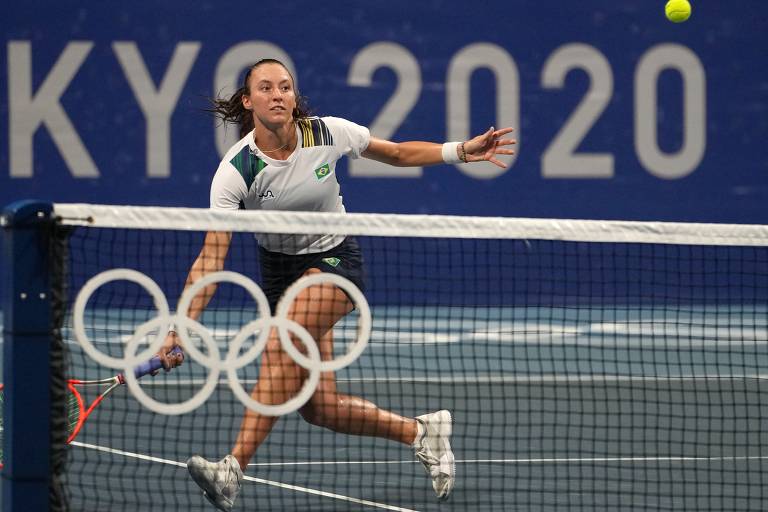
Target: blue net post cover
26, 302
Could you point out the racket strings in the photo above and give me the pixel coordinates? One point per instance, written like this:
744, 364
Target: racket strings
74, 406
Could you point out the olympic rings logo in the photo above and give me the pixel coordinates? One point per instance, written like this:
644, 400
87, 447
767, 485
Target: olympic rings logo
263, 325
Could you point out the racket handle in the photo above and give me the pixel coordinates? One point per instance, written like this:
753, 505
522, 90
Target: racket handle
152, 365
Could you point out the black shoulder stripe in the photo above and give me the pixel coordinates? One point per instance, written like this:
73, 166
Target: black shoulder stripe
315, 132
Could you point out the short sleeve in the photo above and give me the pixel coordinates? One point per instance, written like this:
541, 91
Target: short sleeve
228, 188
351, 139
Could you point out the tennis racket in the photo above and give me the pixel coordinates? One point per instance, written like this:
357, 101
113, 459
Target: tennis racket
77, 409
77, 412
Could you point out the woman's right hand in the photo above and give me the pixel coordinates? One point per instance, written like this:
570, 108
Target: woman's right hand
170, 360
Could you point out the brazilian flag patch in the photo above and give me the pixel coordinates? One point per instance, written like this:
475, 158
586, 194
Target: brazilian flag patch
322, 172
334, 262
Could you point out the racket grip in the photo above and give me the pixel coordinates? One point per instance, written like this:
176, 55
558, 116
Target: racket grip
152, 365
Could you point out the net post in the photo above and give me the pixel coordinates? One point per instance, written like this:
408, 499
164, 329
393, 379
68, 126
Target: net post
27, 314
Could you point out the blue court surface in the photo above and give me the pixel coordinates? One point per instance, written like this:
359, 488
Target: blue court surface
588, 409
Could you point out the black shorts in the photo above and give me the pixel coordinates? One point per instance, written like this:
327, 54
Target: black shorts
279, 271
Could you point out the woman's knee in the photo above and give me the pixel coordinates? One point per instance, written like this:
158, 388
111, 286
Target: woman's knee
279, 369
321, 409
309, 414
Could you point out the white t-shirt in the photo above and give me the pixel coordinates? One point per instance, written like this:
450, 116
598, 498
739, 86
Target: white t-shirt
306, 181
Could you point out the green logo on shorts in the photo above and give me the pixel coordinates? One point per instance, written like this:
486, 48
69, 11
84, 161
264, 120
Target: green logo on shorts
332, 261
322, 172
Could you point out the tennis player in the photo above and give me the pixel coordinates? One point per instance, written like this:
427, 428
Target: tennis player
286, 160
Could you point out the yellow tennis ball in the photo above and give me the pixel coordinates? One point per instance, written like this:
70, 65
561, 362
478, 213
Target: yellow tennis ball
678, 10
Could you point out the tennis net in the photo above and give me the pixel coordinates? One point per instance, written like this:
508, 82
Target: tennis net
587, 365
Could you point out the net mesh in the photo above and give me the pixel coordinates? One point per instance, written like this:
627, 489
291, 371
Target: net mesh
579, 375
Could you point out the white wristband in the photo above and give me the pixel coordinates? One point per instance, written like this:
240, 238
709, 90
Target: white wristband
450, 153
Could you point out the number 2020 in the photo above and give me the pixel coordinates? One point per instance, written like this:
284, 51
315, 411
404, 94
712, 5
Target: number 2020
560, 159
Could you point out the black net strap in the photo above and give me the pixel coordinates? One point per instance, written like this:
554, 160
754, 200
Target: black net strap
59, 245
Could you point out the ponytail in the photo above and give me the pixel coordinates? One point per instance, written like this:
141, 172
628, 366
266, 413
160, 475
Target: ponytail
232, 111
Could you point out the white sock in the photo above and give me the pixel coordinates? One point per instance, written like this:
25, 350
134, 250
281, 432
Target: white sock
419, 432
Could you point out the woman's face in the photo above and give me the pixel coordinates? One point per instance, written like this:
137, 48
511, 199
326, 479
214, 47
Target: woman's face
272, 97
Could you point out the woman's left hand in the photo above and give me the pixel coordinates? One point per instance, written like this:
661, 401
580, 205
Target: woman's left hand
484, 147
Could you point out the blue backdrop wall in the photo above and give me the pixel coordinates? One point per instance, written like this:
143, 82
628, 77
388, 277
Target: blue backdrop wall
619, 113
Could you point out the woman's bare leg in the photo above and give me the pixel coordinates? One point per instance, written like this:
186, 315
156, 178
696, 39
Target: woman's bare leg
349, 414
317, 308
279, 380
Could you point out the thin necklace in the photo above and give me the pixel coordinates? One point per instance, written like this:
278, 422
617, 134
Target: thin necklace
277, 149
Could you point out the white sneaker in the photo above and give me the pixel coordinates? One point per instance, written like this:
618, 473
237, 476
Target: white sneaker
434, 451
220, 481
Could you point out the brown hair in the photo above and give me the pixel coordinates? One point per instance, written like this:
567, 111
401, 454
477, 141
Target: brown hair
232, 110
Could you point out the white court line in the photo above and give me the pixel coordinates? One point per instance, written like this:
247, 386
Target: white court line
569, 460
549, 379
585, 460
281, 485
600, 336
495, 379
